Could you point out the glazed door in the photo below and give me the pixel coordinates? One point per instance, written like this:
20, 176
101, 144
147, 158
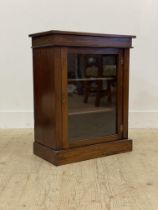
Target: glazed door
94, 96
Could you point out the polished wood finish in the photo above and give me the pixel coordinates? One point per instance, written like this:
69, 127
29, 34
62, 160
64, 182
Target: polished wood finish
44, 96
79, 33
82, 153
78, 39
50, 50
125, 92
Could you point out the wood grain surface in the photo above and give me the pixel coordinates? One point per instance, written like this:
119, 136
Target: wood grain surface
126, 181
51, 121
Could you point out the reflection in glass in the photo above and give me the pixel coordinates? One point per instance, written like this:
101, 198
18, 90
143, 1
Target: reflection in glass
92, 82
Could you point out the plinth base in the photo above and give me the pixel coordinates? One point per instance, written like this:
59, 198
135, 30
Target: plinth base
71, 155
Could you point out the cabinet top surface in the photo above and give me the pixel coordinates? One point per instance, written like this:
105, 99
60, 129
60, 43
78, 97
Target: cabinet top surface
79, 34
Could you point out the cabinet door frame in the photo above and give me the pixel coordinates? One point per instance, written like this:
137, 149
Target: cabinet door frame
120, 94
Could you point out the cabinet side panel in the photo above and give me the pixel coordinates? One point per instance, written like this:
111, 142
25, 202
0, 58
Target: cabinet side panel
58, 97
126, 93
44, 96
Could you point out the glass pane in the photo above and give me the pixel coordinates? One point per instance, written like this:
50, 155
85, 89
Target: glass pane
92, 81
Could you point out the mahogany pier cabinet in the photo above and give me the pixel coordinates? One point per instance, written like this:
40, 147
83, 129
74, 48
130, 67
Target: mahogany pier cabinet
81, 83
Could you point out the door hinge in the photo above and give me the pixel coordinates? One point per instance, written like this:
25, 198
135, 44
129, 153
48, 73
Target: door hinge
121, 128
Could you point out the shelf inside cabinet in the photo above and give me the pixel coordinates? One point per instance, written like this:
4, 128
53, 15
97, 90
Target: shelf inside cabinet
90, 111
91, 79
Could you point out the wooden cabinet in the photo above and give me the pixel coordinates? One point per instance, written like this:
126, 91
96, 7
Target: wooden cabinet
81, 85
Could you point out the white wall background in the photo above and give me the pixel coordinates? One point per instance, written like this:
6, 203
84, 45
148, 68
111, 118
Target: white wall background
18, 18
